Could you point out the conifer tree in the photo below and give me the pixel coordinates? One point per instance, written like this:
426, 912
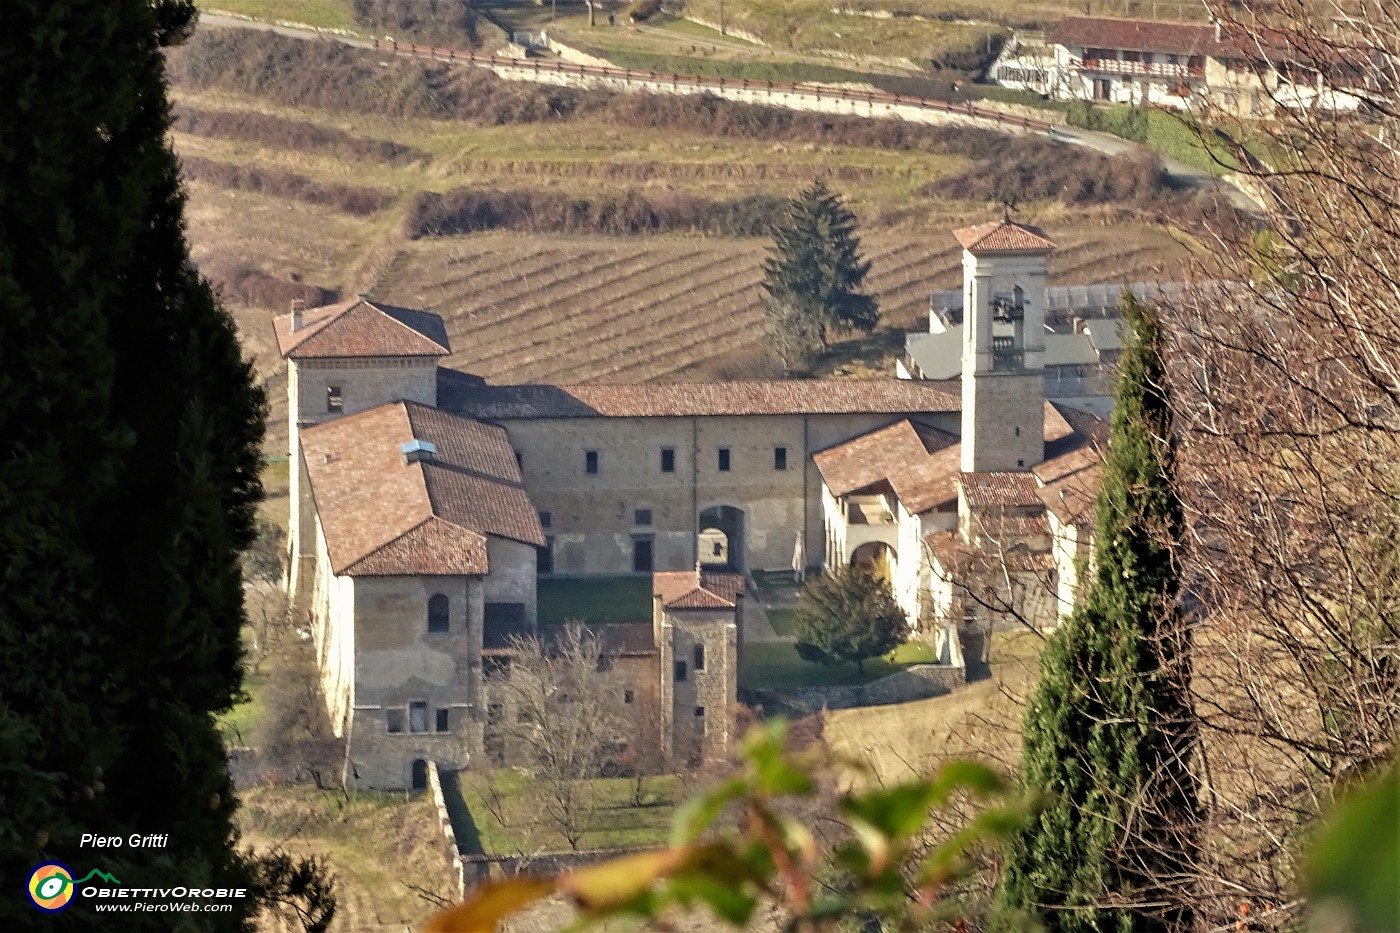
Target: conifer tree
129, 455
1109, 735
813, 277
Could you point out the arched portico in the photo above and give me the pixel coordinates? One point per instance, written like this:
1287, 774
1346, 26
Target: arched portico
877, 557
720, 541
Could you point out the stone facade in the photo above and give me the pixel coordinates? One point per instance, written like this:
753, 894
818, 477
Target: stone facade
699, 679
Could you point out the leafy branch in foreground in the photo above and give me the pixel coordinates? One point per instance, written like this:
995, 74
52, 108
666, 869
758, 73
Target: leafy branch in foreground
733, 848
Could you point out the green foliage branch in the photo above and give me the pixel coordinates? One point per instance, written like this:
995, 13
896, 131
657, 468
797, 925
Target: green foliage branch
848, 615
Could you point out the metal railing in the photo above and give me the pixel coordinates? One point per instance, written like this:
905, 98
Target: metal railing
1147, 69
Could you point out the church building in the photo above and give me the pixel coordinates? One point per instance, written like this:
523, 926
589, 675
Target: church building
427, 503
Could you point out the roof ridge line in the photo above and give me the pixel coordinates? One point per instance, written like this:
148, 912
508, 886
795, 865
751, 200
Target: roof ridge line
413, 330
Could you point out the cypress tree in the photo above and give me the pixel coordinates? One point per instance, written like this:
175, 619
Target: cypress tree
1109, 734
813, 277
129, 452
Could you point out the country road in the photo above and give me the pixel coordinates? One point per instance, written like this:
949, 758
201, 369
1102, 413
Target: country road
796, 97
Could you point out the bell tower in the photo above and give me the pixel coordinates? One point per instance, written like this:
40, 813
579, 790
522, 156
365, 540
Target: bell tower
1003, 353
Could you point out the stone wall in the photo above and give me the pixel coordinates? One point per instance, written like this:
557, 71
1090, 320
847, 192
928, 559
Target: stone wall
918, 682
449, 838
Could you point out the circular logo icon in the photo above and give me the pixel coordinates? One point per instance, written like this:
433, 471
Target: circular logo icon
51, 887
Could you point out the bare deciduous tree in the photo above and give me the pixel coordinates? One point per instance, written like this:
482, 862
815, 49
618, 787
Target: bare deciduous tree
562, 722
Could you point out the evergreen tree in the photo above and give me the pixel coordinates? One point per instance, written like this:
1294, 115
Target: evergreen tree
849, 615
129, 454
814, 275
1109, 734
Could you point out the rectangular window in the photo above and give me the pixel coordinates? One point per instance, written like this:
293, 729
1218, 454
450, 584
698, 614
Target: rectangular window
641, 517
668, 460
519, 460
393, 718
440, 720
627, 696
723, 459
680, 671
334, 402
418, 716
495, 712
546, 520
544, 557
780, 458
590, 461
699, 657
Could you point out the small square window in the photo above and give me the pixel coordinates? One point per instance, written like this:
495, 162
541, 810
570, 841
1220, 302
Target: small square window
780, 458
627, 696
668, 460
393, 719
680, 671
699, 711
440, 720
418, 716
590, 461
723, 459
335, 403
546, 520
641, 517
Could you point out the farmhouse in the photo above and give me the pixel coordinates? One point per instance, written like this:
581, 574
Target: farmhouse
426, 504
1146, 62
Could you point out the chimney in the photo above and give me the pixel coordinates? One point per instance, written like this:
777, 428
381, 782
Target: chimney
298, 308
416, 450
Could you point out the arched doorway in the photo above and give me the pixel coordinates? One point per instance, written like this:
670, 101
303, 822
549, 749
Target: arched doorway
877, 557
420, 774
720, 542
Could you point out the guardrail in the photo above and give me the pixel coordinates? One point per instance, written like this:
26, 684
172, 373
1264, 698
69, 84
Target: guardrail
806, 89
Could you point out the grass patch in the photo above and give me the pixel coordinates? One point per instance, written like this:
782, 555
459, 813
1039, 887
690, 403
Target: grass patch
323, 14
776, 666
778, 72
594, 600
612, 823
236, 726
1170, 134
782, 620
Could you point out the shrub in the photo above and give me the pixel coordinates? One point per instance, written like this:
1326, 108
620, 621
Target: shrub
449, 21
643, 10
360, 202
278, 132
241, 283
469, 210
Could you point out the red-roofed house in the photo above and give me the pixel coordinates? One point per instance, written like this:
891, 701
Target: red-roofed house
1247, 71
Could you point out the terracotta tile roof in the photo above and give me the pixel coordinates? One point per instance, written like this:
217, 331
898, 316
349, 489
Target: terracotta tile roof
998, 489
956, 558
878, 455
682, 399
683, 589
383, 516
361, 327
1070, 485
1135, 35
921, 464
1003, 236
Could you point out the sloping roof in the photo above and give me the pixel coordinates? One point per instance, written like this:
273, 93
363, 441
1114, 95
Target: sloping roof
999, 488
383, 516
878, 455
1135, 35
361, 327
1069, 483
953, 556
921, 464
684, 589
1003, 236
682, 399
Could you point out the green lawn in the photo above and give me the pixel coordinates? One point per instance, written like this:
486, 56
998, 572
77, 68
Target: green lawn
594, 600
776, 666
782, 620
612, 821
325, 14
